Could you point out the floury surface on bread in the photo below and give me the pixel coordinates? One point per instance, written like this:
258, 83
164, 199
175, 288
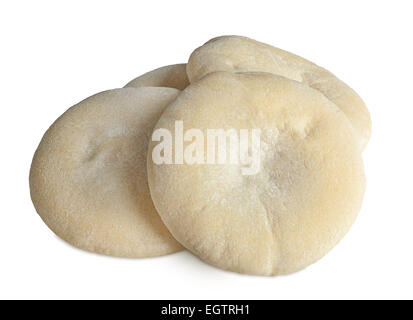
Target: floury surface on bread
131, 172
241, 54
299, 205
88, 178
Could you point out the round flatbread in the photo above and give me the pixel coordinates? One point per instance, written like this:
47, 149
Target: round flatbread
173, 76
88, 177
241, 54
280, 218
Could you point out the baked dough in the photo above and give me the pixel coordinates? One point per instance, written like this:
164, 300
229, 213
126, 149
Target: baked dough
88, 178
241, 54
302, 201
173, 76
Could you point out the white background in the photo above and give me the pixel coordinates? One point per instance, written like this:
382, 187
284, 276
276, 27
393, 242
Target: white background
55, 53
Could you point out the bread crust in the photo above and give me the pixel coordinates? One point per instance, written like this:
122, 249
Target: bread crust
172, 76
88, 178
295, 209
